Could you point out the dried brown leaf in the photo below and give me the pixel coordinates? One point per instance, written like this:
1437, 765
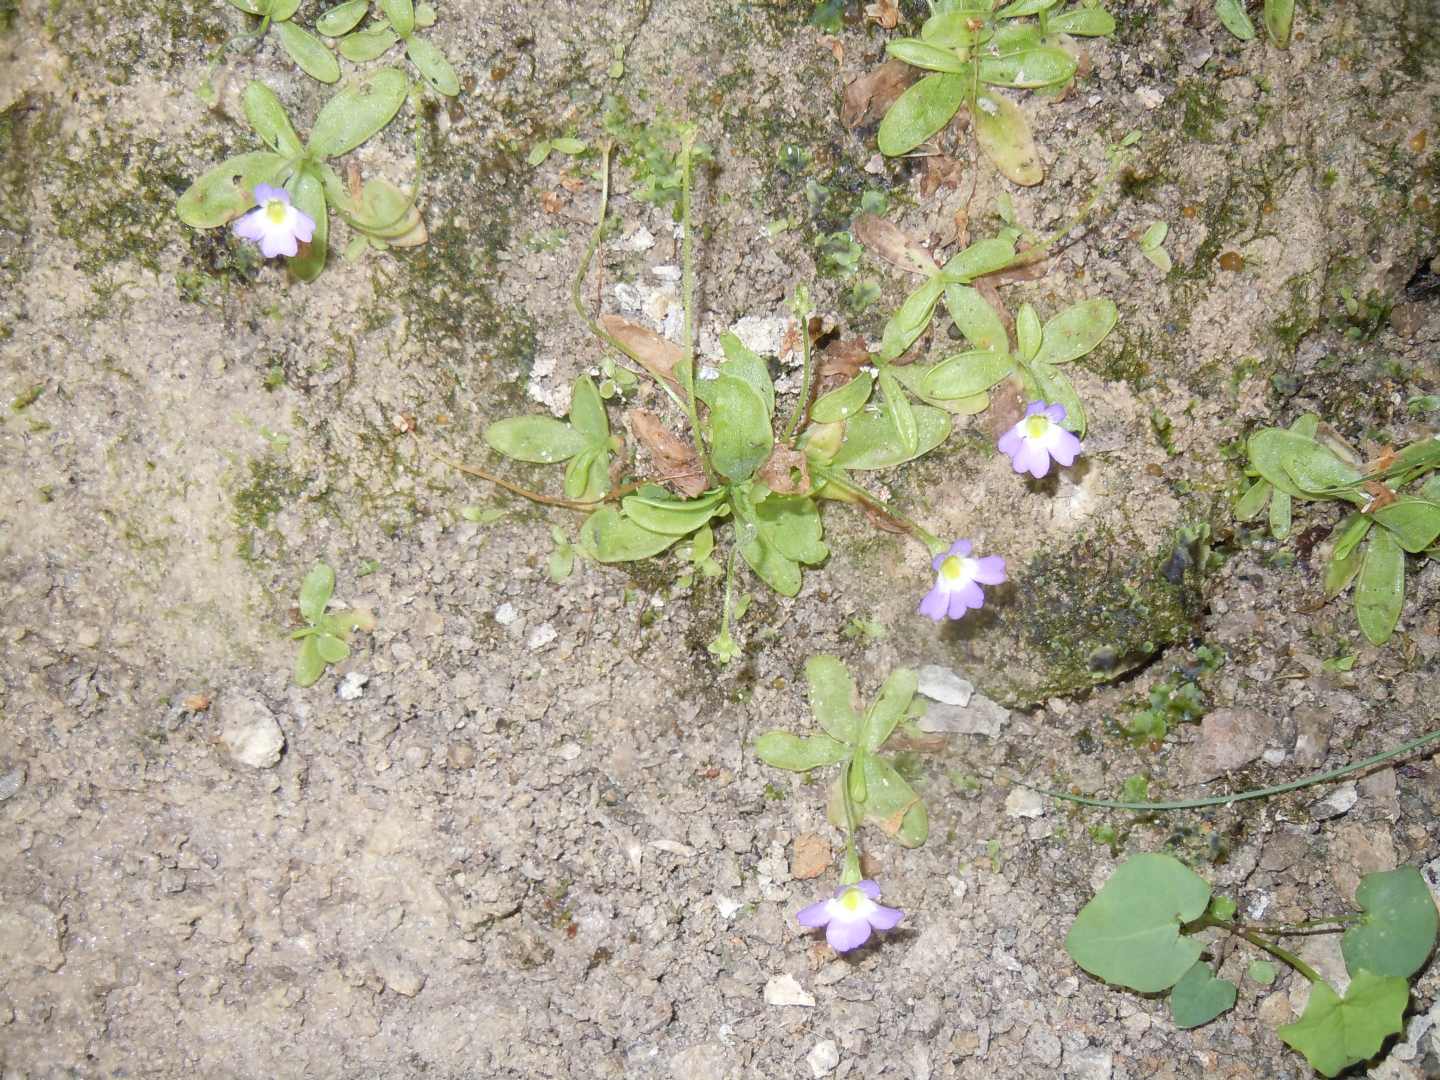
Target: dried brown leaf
844, 356
884, 12
674, 457
886, 241
778, 472
941, 171
870, 96
551, 202
1007, 407
836, 47
656, 354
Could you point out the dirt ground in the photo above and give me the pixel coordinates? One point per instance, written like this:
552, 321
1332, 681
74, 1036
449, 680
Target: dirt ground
521, 831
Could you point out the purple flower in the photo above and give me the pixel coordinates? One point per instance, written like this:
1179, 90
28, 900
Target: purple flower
1038, 438
958, 578
850, 915
274, 224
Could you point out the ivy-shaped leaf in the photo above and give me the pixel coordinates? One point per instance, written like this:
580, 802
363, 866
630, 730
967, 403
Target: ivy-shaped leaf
1337, 1032
1399, 928
1200, 997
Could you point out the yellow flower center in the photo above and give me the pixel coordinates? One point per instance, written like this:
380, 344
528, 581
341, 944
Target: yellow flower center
1036, 426
276, 210
851, 899
952, 569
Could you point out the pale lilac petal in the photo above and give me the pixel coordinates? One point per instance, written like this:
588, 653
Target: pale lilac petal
1032, 458
303, 226
937, 560
264, 193
934, 605
249, 227
990, 570
278, 243
967, 596
846, 934
1056, 412
1010, 442
868, 887
961, 548
814, 915
885, 918
1066, 447
1034, 407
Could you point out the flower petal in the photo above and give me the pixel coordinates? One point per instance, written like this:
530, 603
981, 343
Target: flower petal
1034, 407
1055, 412
846, 934
1034, 459
961, 548
1010, 442
965, 598
264, 193
885, 918
934, 604
249, 226
302, 225
990, 570
868, 887
814, 915
1066, 448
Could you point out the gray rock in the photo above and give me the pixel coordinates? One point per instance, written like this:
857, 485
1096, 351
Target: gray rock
1338, 802
785, 990
823, 1058
980, 717
703, 1061
249, 733
352, 686
1229, 738
945, 685
11, 781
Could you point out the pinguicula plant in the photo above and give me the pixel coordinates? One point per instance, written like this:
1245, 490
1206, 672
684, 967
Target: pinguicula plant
1277, 15
1150, 926
742, 462
868, 790
308, 51
970, 48
325, 638
1310, 461
399, 22
379, 212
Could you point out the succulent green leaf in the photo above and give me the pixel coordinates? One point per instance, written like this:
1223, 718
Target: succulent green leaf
870, 441
609, 538
855, 777
920, 112
1253, 500
891, 803
921, 54
227, 190
307, 192
365, 45
1233, 17
1398, 931
1340, 571
797, 754
579, 473
902, 414
779, 572
1279, 16
436, 71
1200, 997
1076, 331
400, 14
1349, 533
844, 401
1336, 1032
251, 7
1262, 972
541, 439
308, 52
1020, 8
1082, 22
1005, 138
1314, 468
1028, 333
910, 321
889, 706
1055, 386
1380, 589
742, 364
950, 30
587, 411
791, 525
832, 697
1155, 236
1044, 66
331, 648
357, 112
342, 18
741, 437
567, 145
976, 318
1129, 934
968, 373
309, 664
267, 116
1270, 448
315, 592
1414, 521
1280, 507
280, 10
981, 258
659, 513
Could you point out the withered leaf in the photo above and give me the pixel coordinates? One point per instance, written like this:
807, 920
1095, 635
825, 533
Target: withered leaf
886, 241
941, 171
884, 12
1007, 407
778, 473
870, 96
674, 457
656, 354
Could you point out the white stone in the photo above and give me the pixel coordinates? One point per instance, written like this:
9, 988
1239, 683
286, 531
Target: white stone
541, 636
1024, 803
823, 1058
506, 614
726, 906
352, 686
249, 732
1338, 802
784, 990
981, 717
943, 685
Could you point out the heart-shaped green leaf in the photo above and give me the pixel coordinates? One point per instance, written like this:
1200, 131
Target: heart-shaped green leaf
228, 190
797, 754
1336, 1032
1129, 934
315, 592
1200, 997
357, 112
920, 112
832, 697
308, 52
541, 439
1399, 928
1380, 589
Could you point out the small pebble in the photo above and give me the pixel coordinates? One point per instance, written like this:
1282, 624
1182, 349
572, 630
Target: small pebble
249, 732
784, 990
823, 1058
352, 686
